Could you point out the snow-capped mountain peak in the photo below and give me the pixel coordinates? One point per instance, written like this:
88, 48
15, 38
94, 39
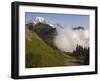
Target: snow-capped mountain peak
39, 20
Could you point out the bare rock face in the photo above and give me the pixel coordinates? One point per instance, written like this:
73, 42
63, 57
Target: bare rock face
45, 31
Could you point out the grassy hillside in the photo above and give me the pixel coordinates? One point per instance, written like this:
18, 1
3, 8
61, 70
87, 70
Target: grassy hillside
39, 54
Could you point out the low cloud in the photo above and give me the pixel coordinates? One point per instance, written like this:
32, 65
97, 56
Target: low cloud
67, 39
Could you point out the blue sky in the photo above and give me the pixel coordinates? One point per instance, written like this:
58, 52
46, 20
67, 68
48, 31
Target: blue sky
66, 20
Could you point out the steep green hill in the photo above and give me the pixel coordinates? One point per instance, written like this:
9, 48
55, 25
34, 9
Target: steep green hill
39, 54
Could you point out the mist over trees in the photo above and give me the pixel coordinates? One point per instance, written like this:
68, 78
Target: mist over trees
82, 51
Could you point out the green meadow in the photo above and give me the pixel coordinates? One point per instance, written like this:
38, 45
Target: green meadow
40, 54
